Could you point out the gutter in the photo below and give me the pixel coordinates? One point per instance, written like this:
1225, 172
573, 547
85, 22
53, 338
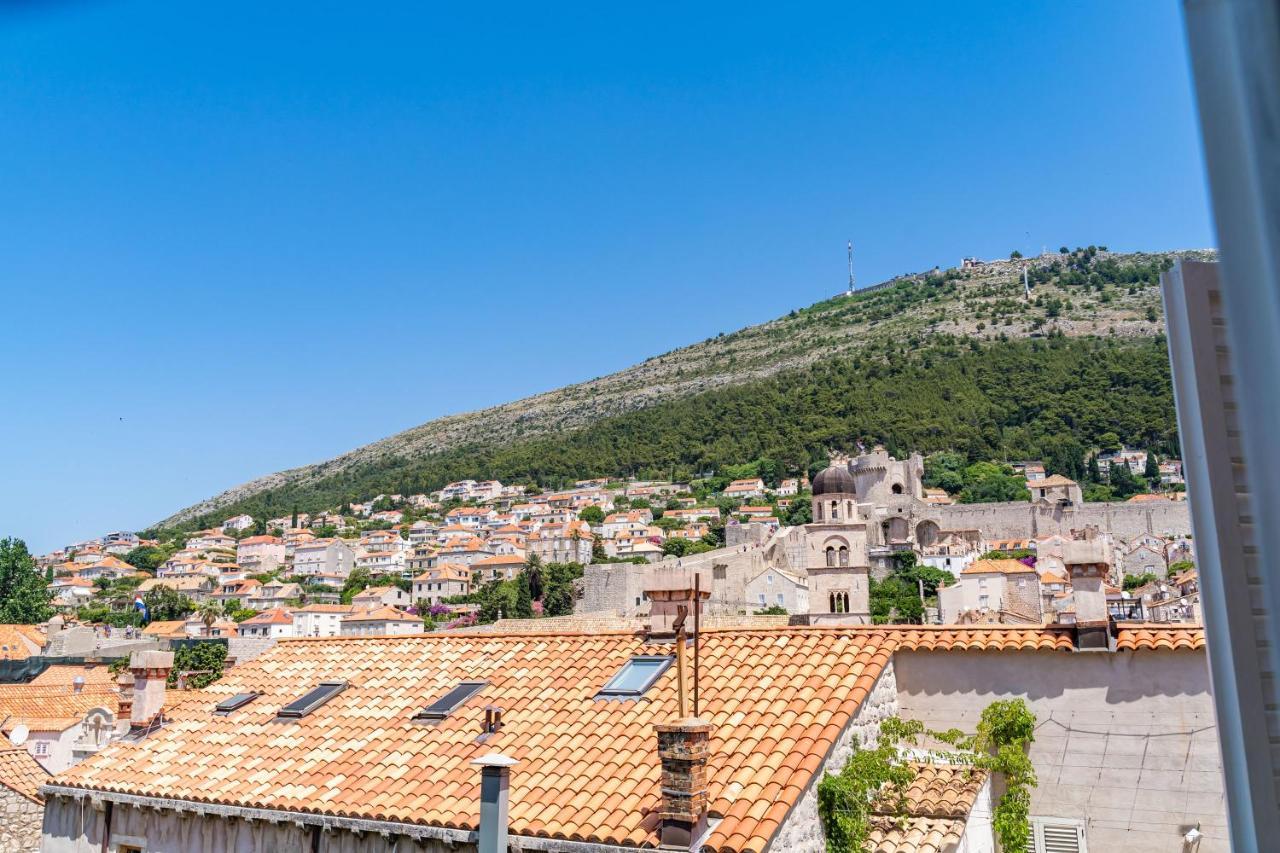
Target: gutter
452, 837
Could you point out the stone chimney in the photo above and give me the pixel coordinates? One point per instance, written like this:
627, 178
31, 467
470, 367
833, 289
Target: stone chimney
124, 685
682, 749
667, 590
1088, 562
150, 671
495, 783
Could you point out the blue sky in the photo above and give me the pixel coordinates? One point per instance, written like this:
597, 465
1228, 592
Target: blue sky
240, 237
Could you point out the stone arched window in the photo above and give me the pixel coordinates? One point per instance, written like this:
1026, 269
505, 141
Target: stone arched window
897, 488
831, 556
844, 556
835, 510
818, 504
831, 600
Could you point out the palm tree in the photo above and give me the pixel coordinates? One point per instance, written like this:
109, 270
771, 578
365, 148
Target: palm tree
209, 613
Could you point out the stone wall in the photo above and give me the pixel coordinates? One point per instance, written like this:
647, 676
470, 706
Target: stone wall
618, 588
1022, 520
245, 649
1126, 741
74, 826
20, 820
801, 832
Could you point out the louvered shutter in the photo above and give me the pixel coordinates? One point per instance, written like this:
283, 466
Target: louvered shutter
1048, 836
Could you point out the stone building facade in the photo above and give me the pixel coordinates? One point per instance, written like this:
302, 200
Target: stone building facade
20, 819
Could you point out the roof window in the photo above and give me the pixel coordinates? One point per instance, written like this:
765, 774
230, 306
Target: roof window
313, 699
446, 704
636, 677
232, 703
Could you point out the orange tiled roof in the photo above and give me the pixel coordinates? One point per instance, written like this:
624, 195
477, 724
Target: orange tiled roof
46, 707
943, 790
63, 674
980, 638
19, 642
1148, 637
20, 772
382, 614
588, 767
1003, 567
914, 835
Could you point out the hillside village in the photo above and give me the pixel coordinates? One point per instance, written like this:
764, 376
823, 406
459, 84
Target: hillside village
869, 588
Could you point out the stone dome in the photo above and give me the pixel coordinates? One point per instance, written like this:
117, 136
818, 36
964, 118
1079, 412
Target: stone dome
835, 480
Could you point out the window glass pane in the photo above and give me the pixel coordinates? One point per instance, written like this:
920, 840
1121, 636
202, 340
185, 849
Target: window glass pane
636, 675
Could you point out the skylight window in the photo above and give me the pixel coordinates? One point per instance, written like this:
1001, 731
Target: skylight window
636, 677
226, 706
313, 699
446, 704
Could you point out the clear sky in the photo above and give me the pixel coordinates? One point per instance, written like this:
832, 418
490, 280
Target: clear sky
240, 237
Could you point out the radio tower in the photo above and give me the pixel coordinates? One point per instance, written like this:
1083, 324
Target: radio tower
849, 292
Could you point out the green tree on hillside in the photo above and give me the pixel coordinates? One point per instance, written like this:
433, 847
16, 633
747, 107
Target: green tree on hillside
166, 604
24, 598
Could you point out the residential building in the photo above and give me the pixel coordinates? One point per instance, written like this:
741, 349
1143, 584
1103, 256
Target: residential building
377, 596
381, 622
237, 592
270, 624
382, 562
320, 620
1056, 490
20, 800
261, 554
754, 511
238, 522
563, 543
390, 516
470, 516
422, 532
463, 549
1171, 473
323, 556
1136, 460
66, 721
497, 567
788, 487
207, 540
72, 591
992, 591
444, 581
275, 593
196, 588
778, 588
745, 489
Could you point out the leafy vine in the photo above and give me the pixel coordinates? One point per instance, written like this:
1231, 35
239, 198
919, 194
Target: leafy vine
879, 776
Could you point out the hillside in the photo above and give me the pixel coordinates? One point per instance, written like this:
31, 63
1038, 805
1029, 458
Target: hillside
1085, 295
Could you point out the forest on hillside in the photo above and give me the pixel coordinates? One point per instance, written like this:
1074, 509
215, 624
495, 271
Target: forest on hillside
1052, 398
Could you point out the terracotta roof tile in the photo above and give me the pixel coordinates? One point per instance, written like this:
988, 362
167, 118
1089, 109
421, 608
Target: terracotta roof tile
65, 674
46, 707
588, 767
20, 772
1150, 637
941, 791
915, 835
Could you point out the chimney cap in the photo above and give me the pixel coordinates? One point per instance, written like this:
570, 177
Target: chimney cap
494, 759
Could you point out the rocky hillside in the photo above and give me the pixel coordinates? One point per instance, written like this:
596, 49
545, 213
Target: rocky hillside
1080, 294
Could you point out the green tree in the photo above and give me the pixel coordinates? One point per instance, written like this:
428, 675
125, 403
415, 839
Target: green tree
1152, 471
203, 662
1122, 481
1132, 582
209, 613
24, 597
592, 514
146, 557
987, 482
524, 598
533, 576
1015, 255
165, 604
357, 582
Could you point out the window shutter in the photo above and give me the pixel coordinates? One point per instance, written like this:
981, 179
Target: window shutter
1048, 836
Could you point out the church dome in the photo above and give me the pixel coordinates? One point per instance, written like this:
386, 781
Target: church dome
835, 480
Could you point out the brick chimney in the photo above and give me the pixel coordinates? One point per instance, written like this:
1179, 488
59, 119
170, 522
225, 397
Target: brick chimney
667, 590
1088, 563
682, 749
124, 685
150, 671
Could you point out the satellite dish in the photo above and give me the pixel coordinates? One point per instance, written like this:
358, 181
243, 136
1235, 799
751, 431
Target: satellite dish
19, 735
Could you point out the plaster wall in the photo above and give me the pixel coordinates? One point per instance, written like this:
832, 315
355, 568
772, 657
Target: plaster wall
1125, 741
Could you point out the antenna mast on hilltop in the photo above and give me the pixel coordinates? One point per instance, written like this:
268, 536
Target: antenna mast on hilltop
849, 292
